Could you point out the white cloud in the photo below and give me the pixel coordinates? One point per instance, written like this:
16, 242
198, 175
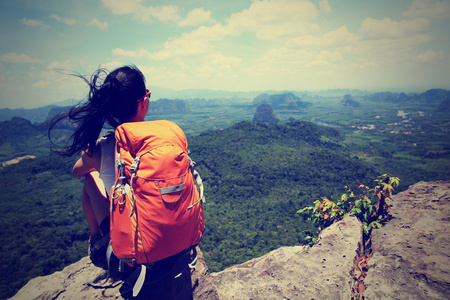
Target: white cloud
387, 28
319, 62
363, 65
432, 56
202, 56
112, 65
141, 12
18, 58
67, 21
428, 9
33, 23
325, 6
40, 85
101, 25
204, 70
120, 7
220, 59
182, 47
269, 20
196, 17
60, 65
339, 37
162, 13
141, 53
283, 57
197, 42
288, 17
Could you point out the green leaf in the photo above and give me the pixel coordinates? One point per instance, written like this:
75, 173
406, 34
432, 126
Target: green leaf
301, 211
395, 181
317, 203
375, 224
365, 204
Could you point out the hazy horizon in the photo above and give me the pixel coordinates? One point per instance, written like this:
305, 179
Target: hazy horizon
237, 46
238, 95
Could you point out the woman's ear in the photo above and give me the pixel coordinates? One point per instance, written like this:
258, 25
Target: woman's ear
141, 111
143, 107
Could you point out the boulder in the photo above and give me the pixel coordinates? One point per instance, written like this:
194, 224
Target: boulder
410, 255
323, 271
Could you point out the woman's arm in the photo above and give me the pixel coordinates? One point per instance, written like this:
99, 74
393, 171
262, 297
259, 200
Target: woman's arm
87, 163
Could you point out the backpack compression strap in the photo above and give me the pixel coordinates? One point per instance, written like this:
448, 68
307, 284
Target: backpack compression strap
198, 181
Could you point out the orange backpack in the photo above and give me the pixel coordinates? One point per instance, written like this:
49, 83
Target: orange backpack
156, 209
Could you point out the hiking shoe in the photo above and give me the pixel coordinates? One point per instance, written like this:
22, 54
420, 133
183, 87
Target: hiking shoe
97, 247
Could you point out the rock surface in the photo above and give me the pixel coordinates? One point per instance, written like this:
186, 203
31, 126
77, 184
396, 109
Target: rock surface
410, 260
411, 254
321, 272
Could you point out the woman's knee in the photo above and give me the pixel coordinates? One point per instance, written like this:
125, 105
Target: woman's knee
93, 185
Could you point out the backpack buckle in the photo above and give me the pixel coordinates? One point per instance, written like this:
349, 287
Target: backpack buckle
135, 164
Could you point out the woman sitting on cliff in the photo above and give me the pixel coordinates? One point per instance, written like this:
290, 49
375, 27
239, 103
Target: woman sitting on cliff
121, 97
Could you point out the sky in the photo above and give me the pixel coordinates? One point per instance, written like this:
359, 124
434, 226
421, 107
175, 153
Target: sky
232, 45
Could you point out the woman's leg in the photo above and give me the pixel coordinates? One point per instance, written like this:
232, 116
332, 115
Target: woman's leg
94, 202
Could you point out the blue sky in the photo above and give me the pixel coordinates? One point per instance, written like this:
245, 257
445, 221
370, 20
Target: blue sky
233, 45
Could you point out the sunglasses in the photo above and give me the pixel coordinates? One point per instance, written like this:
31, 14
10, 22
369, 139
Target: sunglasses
147, 93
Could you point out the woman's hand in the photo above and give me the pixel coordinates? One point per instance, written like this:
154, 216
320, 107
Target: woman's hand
87, 163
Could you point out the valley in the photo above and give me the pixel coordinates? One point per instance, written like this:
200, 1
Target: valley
256, 175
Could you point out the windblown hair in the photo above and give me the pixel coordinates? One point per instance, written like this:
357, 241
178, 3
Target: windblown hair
113, 100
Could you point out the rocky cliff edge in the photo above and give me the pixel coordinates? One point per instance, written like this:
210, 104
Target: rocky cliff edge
410, 259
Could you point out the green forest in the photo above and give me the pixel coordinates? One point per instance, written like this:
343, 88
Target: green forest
256, 175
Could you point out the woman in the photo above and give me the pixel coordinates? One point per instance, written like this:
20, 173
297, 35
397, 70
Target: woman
121, 97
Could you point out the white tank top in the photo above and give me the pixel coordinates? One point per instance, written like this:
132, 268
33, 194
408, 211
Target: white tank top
107, 170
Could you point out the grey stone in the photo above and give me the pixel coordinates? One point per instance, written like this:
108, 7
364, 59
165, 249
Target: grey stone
411, 254
321, 272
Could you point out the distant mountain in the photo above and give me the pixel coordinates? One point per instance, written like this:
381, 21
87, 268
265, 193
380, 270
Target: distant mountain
202, 102
444, 106
168, 106
285, 100
348, 101
430, 96
160, 93
36, 115
40, 115
20, 137
435, 95
265, 113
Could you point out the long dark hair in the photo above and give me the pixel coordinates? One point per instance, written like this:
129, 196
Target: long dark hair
113, 99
